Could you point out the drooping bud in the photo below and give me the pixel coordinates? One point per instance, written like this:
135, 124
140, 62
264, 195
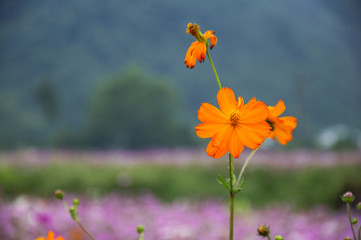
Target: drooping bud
348, 197
354, 221
263, 230
59, 194
347, 238
278, 237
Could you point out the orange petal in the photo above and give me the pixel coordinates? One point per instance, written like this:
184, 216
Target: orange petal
200, 52
253, 112
215, 152
278, 109
289, 121
223, 137
206, 130
226, 100
50, 235
208, 113
253, 135
209, 34
235, 145
59, 238
283, 136
40, 238
190, 59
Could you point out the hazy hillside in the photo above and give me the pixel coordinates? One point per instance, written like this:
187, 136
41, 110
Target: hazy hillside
305, 52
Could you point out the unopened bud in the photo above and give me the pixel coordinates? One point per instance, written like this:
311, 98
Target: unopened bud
263, 230
278, 237
76, 202
347, 238
59, 194
73, 214
354, 221
348, 197
140, 229
359, 206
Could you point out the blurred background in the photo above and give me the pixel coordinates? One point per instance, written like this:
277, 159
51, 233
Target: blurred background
94, 74
95, 98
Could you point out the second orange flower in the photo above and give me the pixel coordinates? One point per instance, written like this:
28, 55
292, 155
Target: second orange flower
234, 125
198, 49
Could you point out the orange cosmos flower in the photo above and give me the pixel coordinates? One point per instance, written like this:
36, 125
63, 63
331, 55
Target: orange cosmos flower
51, 236
281, 126
198, 49
234, 125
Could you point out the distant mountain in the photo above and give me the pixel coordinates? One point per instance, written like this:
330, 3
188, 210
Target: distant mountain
305, 52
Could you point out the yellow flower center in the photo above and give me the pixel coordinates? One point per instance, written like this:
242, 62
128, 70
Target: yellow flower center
234, 117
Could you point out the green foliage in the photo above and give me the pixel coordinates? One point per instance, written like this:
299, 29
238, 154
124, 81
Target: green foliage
302, 188
133, 110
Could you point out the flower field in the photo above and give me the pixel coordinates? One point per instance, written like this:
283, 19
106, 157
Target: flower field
174, 194
116, 217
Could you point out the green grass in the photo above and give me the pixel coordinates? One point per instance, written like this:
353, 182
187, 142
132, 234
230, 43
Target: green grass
302, 188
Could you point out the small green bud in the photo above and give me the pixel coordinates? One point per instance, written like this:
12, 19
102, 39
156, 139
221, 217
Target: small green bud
76, 202
354, 221
348, 197
59, 194
140, 229
278, 237
359, 206
347, 238
263, 230
73, 214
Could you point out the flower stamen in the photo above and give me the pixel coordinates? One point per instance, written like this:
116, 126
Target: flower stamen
234, 118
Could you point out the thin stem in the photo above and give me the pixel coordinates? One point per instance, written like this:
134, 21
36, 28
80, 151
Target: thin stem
268, 237
349, 218
214, 70
359, 233
244, 166
231, 196
83, 228
65, 205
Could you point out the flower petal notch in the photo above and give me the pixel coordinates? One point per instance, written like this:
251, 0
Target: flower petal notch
198, 49
281, 127
234, 125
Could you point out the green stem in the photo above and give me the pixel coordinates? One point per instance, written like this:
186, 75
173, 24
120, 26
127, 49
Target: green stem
83, 228
232, 196
349, 218
65, 205
359, 233
268, 237
244, 166
214, 70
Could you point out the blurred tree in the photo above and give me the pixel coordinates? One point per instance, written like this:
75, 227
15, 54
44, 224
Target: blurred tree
132, 110
46, 95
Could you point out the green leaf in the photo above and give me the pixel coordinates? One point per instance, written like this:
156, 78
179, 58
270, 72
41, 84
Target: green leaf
224, 182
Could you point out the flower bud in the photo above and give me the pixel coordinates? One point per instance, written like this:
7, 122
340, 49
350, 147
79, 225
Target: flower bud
76, 202
354, 221
347, 238
278, 237
140, 229
348, 197
59, 194
359, 206
263, 230
73, 214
